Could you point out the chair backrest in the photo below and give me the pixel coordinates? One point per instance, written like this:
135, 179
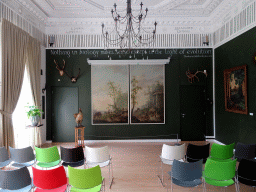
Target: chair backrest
247, 169
198, 151
173, 152
47, 155
184, 171
99, 154
84, 178
3, 154
245, 151
15, 179
49, 179
220, 170
22, 155
72, 154
222, 151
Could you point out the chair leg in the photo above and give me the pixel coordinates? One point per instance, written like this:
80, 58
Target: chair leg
110, 180
161, 178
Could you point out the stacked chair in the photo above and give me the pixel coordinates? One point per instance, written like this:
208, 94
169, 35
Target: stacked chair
245, 151
86, 179
4, 157
169, 153
246, 173
22, 157
99, 156
47, 157
53, 180
222, 152
73, 157
196, 152
186, 174
15, 180
220, 167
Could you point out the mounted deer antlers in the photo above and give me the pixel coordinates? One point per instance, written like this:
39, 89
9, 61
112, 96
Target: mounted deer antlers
61, 70
73, 79
191, 75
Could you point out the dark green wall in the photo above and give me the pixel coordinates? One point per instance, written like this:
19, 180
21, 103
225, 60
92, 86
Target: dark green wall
234, 127
181, 60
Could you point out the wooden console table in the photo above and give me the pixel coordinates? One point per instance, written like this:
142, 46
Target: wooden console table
79, 134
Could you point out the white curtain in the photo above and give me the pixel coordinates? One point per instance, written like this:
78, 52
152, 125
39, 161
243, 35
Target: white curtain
14, 56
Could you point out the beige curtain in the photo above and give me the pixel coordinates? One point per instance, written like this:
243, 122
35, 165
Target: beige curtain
34, 66
14, 56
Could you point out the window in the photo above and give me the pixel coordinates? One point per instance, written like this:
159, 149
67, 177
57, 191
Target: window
23, 137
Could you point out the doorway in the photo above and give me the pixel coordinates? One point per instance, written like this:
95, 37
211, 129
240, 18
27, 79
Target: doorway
64, 105
192, 113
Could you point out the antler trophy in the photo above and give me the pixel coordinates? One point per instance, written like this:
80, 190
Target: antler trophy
61, 70
73, 79
191, 75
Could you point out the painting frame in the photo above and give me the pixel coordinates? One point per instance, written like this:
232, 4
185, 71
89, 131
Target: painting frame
110, 120
235, 89
134, 119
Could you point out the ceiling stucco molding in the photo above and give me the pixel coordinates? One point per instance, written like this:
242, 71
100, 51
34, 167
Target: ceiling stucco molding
30, 6
22, 11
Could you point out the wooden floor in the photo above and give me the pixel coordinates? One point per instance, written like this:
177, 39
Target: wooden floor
137, 164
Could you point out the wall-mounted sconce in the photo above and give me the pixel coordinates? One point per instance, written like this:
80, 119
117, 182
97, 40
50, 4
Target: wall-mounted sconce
206, 40
44, 89
192, 75
51, 40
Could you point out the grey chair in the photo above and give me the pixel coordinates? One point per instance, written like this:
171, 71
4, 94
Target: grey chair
245, 151
4, 157
186, 174
17, 180
22, 157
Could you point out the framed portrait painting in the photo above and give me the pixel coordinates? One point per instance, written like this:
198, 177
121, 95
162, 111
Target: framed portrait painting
235, 87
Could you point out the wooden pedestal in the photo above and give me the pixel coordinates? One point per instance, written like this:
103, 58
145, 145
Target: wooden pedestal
79, 135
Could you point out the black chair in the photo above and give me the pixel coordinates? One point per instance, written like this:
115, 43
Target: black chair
246, 172
197, 152
245, 151
73, 157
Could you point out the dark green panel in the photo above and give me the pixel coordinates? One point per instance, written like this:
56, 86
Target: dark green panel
234, 127
64, 105
175, 75
192, 113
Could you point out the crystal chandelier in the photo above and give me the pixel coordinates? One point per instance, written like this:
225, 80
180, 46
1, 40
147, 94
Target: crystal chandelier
128, 32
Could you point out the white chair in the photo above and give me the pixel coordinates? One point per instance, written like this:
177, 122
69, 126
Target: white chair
99, 156
169, 153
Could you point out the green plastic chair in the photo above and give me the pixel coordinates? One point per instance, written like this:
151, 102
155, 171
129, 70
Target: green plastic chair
86, 180
222, 152
220, 173
47, 157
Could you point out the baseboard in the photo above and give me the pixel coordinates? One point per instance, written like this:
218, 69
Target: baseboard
48, 141
134, 141
218, 142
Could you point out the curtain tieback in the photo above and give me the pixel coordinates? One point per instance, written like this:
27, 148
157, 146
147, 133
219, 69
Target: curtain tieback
6, 113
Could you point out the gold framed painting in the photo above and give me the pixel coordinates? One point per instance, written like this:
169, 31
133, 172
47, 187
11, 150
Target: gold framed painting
235, 87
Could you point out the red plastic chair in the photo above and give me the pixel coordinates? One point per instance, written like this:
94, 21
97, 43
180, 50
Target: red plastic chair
54, 180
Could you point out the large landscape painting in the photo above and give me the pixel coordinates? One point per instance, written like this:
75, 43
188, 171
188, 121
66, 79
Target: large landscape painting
147, 92
110, 87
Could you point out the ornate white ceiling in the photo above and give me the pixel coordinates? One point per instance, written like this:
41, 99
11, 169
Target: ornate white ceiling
63, 13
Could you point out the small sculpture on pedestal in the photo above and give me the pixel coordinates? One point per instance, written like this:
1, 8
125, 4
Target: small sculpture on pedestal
79, 118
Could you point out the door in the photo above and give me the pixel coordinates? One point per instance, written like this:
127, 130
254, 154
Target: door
192, 113
64, 105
